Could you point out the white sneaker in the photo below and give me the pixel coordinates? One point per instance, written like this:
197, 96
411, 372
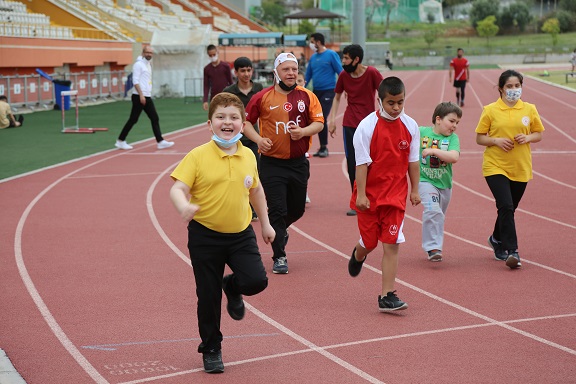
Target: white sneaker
165, 144
122, 145
307, 199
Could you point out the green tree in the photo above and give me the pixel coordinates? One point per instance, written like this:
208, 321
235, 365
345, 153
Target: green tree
430, 36
516, 15
487, 28
482, 9
272, 12
568, 5
306, 27
552, 27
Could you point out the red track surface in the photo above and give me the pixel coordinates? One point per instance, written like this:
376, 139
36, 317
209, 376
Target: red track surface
96, 285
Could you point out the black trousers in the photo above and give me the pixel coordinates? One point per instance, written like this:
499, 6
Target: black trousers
285, 182
137, 109
325, 97
350, 154
210, 251
460, 86
507, 194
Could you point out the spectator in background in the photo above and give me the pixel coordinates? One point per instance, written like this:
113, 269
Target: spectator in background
142, 101
7, 119
217, 76
323, 68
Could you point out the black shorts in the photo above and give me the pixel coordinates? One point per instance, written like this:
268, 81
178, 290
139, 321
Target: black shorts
459, 83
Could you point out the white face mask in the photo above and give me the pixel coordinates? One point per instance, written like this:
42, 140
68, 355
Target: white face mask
313, 47
385, 114
513, 95
214, 58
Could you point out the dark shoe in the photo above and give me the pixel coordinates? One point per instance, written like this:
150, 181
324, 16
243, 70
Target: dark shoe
435, 255
390, 302
280, 266
499, 253
354, 266
462, 103
322, 152
21, 119
254, 216
351, 212
213, 362
513, 260
235, 304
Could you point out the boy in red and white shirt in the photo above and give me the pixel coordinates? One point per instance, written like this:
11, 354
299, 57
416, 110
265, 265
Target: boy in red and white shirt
386, 144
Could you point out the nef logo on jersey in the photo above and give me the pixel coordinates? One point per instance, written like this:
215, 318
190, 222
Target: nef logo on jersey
287, 106
393, 230
284, 126
301, 106
403, 144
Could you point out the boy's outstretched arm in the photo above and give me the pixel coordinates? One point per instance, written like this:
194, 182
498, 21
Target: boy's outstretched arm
258, 201
414, 176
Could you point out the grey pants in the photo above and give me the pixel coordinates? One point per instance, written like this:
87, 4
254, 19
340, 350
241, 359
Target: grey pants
435, 202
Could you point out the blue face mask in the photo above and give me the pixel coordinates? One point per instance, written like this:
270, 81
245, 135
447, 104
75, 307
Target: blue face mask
226, 143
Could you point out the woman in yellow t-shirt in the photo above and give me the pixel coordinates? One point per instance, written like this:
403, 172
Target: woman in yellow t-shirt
506, 128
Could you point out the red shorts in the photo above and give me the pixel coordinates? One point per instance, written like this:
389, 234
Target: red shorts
384, 224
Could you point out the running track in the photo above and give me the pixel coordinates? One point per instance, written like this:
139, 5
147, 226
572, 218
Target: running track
96, 285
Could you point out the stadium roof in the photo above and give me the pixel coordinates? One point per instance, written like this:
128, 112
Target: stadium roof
314, 13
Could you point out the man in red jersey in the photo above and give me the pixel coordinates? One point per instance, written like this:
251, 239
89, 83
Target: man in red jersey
288, 116
460, 72
217, 76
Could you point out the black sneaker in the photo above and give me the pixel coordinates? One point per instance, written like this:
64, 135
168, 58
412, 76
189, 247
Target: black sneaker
513, 260
235, 304
213, 362
351, 212
280, 266
499, 253
390, 302
21, 119
322, 152
354, 266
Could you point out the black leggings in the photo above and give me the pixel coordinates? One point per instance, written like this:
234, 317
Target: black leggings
507, 194
137, 109
350, 154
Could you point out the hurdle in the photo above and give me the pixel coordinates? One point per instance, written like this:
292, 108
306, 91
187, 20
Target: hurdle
75, 128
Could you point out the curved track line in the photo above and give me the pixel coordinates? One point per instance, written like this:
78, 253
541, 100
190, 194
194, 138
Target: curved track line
553, 180
258, 313
442, 300
35, 295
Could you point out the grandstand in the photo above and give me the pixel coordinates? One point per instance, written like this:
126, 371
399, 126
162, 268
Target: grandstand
67, 37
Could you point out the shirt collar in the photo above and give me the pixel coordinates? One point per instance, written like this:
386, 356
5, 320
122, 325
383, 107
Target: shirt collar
502, 105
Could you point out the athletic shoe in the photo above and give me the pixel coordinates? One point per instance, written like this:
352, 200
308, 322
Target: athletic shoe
354, 266
513, 260
307, 199
322, 152
499, 253
254, 216
351, 212
462, 103
213, 362
435, 255
21, 119
122, 145
280, 266
390, 302
307, 155
164, 144
235, 306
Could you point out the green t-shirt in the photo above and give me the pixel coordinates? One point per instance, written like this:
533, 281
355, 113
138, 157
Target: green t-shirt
432, 169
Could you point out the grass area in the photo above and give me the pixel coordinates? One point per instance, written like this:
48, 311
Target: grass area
40, 142
555, 77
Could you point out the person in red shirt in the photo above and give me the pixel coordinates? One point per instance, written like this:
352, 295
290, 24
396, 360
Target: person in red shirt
217, 76
387, 146
288, 116
459, 72
360, 82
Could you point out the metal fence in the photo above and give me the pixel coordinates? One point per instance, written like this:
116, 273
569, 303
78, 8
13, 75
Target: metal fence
36, 91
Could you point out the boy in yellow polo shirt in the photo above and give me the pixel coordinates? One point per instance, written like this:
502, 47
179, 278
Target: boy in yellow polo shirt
214, 186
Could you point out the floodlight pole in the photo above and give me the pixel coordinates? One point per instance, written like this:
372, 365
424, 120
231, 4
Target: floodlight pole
359, 23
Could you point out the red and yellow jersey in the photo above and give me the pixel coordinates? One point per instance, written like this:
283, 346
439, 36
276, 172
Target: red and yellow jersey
277, 112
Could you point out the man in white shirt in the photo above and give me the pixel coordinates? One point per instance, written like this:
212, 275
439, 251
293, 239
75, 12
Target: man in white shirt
142, 100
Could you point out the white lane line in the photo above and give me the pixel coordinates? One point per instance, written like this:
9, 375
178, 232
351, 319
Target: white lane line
440, 299
554, 180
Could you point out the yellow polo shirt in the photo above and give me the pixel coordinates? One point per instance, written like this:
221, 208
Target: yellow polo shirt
500, 120
4, 112
220, 184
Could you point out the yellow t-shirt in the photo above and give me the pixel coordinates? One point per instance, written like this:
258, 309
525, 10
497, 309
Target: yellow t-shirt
500, 120
4, 112
220, 184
